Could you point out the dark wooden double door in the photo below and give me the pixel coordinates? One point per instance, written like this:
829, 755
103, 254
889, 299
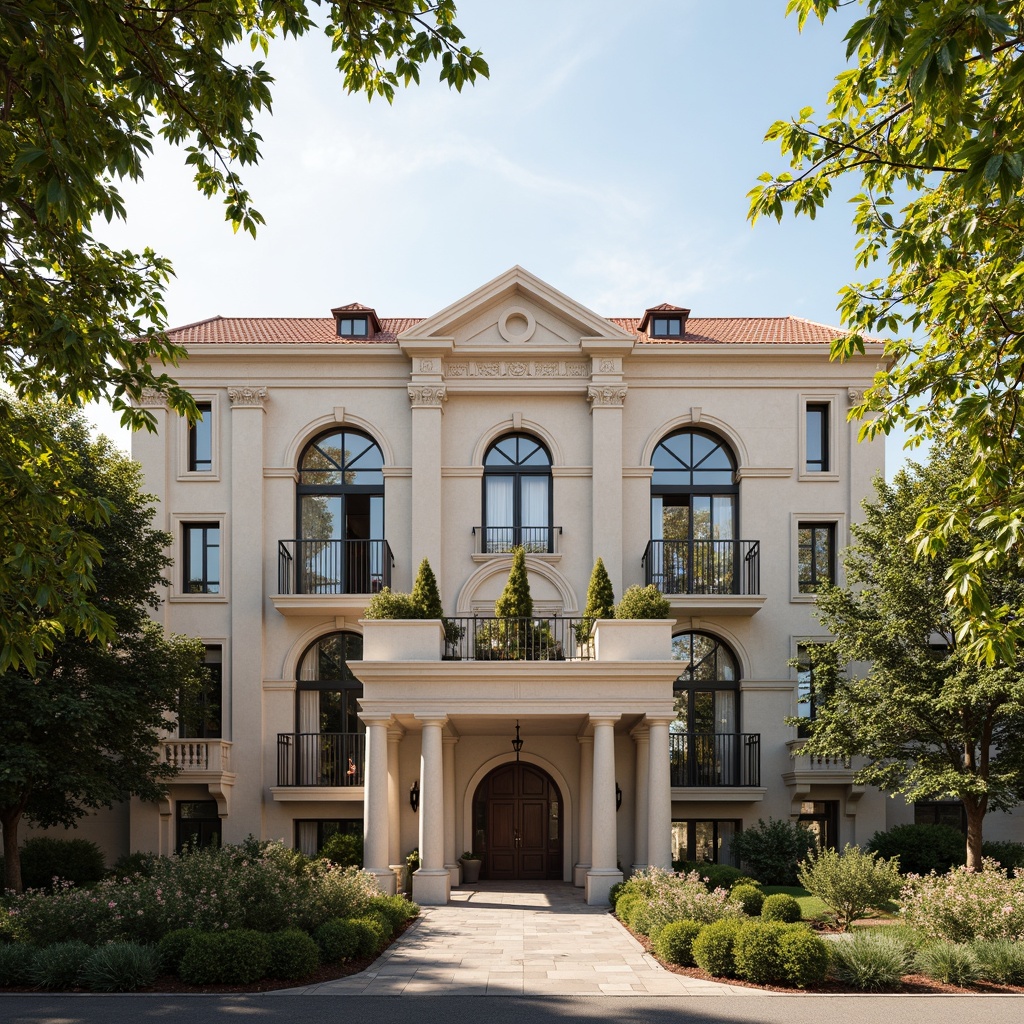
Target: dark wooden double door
519, 809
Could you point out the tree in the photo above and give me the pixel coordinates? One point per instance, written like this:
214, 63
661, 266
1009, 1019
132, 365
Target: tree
515, 602
84, 86
600, 600
928, 122
426, 598
929, 719
81, 731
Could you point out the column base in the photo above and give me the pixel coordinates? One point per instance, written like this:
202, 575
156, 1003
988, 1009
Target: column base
431, 888
398, 870
599, 885
455, 873
579, 875
385, 878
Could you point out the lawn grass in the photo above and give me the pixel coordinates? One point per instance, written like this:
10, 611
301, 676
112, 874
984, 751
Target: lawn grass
810, 906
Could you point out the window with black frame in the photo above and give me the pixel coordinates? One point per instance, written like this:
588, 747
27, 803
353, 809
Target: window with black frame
517, 498
200, 716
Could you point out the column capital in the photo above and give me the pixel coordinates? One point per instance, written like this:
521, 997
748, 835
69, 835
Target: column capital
377, 719
585, 740
396, 732
247, 396
596, 720
606, 395
450, 741
151, 399
439, 720
655, 720
427, 396
640, 732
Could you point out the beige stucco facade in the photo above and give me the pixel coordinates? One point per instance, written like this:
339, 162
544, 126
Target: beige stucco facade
514, 358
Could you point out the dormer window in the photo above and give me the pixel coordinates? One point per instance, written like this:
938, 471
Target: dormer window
666, 327
352, 327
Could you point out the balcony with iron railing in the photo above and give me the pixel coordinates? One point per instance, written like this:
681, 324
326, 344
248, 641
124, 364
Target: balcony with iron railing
715, 760
714, 576
494, 638
329, 576
333, 760
540, 541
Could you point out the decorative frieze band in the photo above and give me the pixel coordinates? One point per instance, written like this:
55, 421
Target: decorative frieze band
247, 396
427, 395
483, 368
607, 395
152, 397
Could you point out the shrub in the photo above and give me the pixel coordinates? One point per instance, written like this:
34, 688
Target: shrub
344, 850
949, 962
773, 848
59, 967
397, 909
338, 939
131, 864
624, 905
600, 601
77, 861
805, 957
613, 893
17, 964
293, 955
851, 882
713, 948
238, 956
515, 602
173, 947
964, 905
780, 906
388, 604
1000, 960
1007, 854
921, 848
749, 897
642, 603
372, 935
120, 967
716, 876
383, 919
757, 953
674, 942
665, 897
870, 963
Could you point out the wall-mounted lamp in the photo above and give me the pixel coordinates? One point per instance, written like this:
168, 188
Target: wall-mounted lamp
618, 796
414, 796
517, 743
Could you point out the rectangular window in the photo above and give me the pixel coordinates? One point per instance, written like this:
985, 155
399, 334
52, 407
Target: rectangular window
201, 558
816, 556
817, 437
311, 835
941, 812
352, 327
198, 824
704, 842
804, 688
666, 327
200, 716
200, 440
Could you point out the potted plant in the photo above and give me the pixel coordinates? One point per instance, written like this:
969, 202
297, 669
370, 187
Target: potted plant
470, 866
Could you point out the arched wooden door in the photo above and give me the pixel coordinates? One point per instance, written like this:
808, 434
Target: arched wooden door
517, 820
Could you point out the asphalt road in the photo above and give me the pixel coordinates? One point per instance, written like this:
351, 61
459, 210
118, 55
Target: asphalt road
264, 1009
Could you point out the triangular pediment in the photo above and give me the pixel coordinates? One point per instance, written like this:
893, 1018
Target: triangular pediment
517, 311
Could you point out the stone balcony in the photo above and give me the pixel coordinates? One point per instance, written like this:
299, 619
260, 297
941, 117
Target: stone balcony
203, 761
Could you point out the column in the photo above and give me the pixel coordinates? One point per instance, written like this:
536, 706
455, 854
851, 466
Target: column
643, 744
395, 858
247, 546
579, 875
604, 872
376, 817
451, 861
426, 400
606, 415
659, 800
431, 884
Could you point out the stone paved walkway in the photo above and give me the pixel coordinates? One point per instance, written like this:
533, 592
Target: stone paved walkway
526, 939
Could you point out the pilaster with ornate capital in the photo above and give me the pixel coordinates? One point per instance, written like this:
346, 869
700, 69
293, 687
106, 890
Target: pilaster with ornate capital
426, 396
609, 395
248, 396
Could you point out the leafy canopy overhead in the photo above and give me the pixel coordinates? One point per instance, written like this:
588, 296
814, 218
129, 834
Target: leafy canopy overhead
928, 122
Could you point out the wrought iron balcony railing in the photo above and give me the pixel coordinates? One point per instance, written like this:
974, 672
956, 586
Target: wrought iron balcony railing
500, 540
333, 566
490, 638
320, 758
704, 566
715, 758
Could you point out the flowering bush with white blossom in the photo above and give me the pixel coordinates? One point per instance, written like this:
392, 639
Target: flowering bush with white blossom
963, 905
684, 897
264, 886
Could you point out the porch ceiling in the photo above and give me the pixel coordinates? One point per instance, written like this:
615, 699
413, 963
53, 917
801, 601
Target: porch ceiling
531, 725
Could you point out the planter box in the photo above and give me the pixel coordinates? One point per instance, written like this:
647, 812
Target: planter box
633, 639
402, 639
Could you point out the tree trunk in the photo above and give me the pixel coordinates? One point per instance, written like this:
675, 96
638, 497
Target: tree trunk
10, 819
975, 809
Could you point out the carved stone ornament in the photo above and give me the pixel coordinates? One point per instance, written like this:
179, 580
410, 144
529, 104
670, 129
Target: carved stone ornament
427, 395
426, 366
577, 369
248, 396
610, 395
150, 396
607, 366
457, 370
516, 369
856, 395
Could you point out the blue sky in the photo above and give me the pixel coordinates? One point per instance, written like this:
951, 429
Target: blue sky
609, 153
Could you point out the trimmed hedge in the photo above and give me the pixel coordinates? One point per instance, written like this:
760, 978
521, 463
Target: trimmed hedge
713, 948
293, 955
173, 947
780, 906
238, 956
674, 942
749, 897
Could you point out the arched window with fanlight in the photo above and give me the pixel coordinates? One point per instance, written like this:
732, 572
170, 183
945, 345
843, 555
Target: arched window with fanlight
517, 495
341, 547
708, 748
328, 745
694, 546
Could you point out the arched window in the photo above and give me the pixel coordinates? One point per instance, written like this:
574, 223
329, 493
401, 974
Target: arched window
707, 748
517, 495
694, 513
341, 547
329, 745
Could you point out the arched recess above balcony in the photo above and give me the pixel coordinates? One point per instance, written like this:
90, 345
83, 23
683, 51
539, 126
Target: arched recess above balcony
517, 424
699, 422
551, 592
338, 418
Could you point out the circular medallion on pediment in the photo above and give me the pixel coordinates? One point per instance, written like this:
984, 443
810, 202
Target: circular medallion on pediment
516, 325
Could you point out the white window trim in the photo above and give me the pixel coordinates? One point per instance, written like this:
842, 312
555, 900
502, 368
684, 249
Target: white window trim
178, 594
831, 399
836, 519
213, 473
